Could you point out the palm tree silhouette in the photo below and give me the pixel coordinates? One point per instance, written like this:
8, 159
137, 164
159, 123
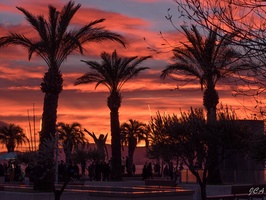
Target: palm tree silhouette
12, 136
132, 133
207, 61
54, 44
113, 72
71, 136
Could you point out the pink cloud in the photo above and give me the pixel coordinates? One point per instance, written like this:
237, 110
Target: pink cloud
20, 78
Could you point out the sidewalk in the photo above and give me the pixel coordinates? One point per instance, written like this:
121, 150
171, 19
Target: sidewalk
126, 182
99, 190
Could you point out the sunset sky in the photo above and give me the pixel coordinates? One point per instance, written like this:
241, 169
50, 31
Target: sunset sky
142, 96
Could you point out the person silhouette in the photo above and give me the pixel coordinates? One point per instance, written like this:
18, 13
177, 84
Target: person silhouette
100, 143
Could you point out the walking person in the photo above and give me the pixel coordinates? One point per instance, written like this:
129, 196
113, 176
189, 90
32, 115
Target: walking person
144, 172
149, 171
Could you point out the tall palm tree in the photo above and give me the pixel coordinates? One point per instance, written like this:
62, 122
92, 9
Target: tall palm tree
55, 42
12, 136
71, 136
132, 133
113, 72
206, 60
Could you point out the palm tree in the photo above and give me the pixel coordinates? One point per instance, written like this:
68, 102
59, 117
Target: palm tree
206, 60
113, 72
54, 44
132, 133
71, 136
12, 136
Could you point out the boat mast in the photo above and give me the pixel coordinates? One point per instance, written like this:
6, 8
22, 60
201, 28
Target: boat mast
30, 128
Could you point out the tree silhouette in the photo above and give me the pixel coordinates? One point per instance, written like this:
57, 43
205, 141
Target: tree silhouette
207, 60
55, 42
132, 133
188, 137
71, 136
247, 21
12, 136
161, 148
100, 143
113, 72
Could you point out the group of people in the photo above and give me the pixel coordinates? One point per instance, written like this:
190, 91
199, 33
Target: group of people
99, 171
68, 170
173, 172
147, 172
126, 168
169, 171
11, 171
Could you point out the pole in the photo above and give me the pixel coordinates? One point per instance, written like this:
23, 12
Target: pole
56, 157
30, 129
34, 129
40, 130
27, 137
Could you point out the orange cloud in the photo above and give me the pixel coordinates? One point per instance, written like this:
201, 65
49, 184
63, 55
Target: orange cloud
144, 95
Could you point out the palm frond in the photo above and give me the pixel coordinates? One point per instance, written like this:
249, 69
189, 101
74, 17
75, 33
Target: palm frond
113, 71
33, 20
57, 42
101, 35
66, 14
178, 67
209, 58
43, 30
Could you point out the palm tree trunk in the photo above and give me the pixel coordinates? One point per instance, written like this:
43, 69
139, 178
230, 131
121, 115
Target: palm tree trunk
49, 116
211, 115
10, 146
210, 101
114, 102
131, 149
52, 86
68, 155
44, 168
214, 174
116, 173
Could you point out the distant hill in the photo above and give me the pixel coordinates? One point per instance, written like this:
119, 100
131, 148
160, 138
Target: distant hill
2, 123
